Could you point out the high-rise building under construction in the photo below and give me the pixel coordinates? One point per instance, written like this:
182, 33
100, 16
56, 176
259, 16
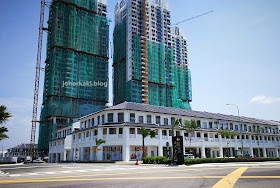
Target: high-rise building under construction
150, 56
76, 70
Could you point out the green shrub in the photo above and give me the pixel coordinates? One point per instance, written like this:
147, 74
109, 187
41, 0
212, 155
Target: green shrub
95, 161
156, 160
7, 162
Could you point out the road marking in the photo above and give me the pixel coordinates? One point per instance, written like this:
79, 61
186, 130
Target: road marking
261, 177
123, 173
102, 179
230, 179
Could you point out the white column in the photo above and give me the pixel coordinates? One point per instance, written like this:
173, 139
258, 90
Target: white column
230, 151
56, 157
64, 156
251, 145
202, 149
221, 151
160, 149
82, 149
276, 152
125, 144
264, 152
91, 153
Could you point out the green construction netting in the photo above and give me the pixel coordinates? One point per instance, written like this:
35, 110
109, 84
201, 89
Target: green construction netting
77, 51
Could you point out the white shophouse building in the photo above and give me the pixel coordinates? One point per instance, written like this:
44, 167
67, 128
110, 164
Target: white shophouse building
120, 126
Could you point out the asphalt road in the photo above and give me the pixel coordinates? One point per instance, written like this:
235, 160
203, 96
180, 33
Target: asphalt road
266, 174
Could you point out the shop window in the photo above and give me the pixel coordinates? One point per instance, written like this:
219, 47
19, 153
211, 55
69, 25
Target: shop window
138, 131
164, 133
112, 131
110, 117
96, 132
198, 134
120, 117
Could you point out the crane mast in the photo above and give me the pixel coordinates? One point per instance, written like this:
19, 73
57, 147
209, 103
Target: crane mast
37, 79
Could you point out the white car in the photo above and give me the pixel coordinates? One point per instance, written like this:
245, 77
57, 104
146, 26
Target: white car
188, 156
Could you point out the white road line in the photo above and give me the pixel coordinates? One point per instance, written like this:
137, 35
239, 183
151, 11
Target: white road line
50, 172
31, 174
15, 175
80, 170
66, 171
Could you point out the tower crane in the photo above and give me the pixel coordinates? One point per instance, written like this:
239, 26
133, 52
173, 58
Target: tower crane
193, 17
37, 79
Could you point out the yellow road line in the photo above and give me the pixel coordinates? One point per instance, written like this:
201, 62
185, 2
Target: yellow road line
231, 179
102, 179
260, 177
123, 173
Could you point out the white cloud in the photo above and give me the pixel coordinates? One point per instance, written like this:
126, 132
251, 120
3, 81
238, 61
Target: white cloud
264, 100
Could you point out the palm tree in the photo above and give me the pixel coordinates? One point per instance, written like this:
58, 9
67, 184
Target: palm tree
4, 116
190, 127
98, 142
145, 133
227, 135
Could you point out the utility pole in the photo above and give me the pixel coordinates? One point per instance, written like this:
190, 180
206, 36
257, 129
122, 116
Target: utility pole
240, 128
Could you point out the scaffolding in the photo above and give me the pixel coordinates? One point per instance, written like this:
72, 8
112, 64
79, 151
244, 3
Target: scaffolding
76, 70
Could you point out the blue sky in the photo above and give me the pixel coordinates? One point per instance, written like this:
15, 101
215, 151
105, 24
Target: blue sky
234, 57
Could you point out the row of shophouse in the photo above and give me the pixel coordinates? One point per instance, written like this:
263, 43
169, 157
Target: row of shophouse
120, 125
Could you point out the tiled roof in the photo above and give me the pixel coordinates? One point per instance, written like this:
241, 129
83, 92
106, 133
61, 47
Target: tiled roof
185, 112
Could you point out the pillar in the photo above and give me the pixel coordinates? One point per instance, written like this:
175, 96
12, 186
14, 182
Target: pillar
221, 151
264, 152
56, 157
230, 151
276, 152
91, 153
82, 153
202, 149
125, 144
160, 149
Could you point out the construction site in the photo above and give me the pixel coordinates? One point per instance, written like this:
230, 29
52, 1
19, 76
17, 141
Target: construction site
150, 61
150, 57
77, 52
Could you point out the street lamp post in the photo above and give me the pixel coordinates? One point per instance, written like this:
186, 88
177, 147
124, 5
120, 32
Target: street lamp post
240, 128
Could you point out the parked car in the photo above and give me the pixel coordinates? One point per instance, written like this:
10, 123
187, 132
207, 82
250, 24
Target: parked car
38, 161
247, 155
188, 156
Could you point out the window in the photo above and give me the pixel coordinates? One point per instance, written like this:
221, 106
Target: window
165, 121
120, 130
170, 133
172, 120
198, 134
110, 117
132, 117
158, 120
236, 127
149, 119
177, 133
231, 126
98, 120
103, 118
80, 136
112, 131
132, 131
120, 117
95, 132
87, 134
211, 125
141, 119
164, 133
92, 122
104, 131
138, 131
204, 125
